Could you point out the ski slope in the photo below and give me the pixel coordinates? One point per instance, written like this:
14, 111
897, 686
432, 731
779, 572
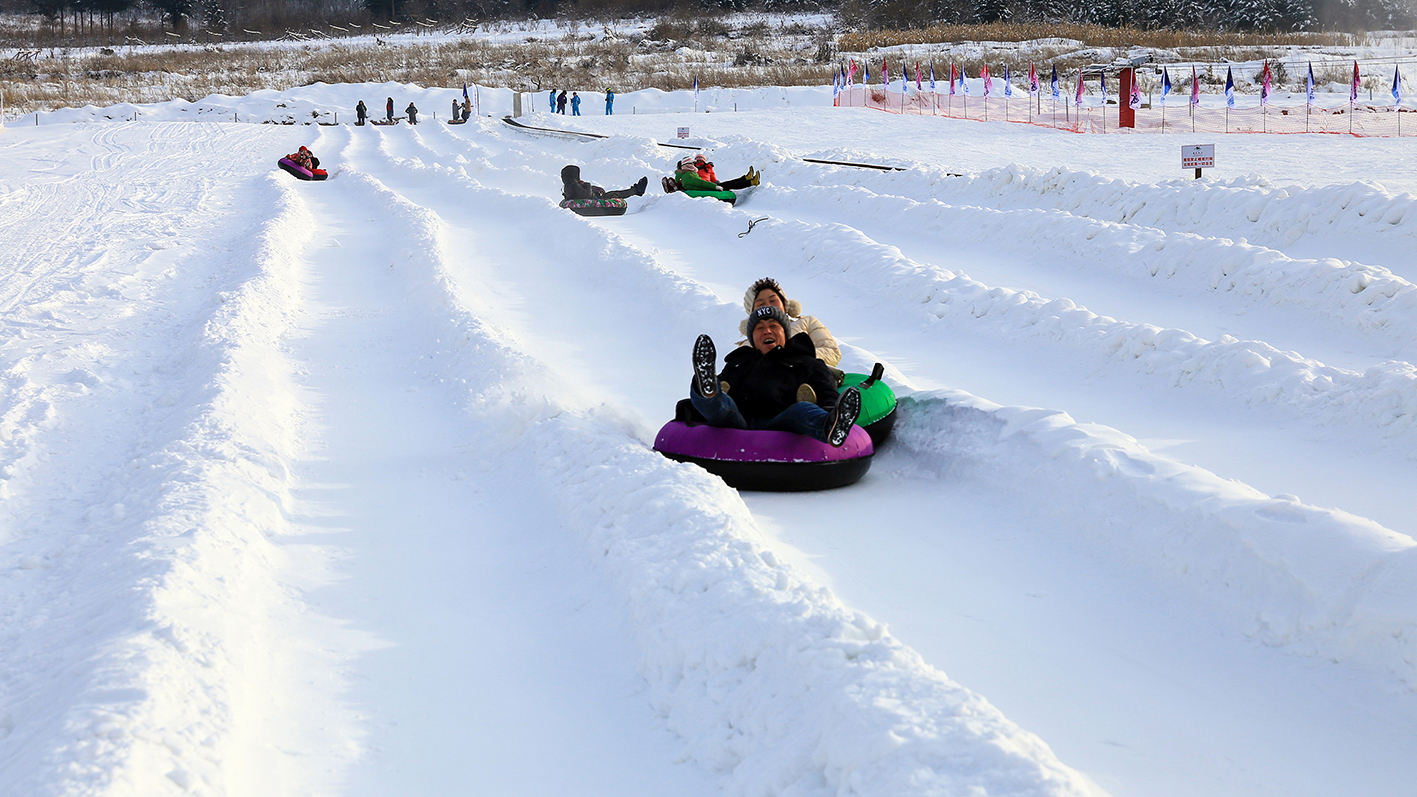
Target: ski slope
346, 488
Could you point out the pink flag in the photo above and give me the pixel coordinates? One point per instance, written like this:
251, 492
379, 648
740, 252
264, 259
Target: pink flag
1032, 81
917, 75
1353, 90
1264, 85
1195, 88
954, 78
1134, 101
988, 84
1078, 100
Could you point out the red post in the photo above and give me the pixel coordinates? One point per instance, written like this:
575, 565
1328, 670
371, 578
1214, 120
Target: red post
1126, 117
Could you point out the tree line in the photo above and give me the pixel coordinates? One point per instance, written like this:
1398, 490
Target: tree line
268, 16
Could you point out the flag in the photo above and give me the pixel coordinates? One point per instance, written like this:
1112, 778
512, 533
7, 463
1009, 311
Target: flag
1134, 101
865, 73
1309, 85
1078, 99
1165, 83
1102, 84
1032, 80
836, 84
964, 79
476, 100
917, 76
1264, 85
952, 78
932, 78
696, 87
1229, 88
1396, 86
1353, 88
1195, 88
850, 73
905, 78
988, 81
464, 90
1053, 83
885, 73
1008, 86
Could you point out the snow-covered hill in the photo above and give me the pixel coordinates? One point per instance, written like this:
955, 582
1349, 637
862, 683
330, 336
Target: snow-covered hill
346, 488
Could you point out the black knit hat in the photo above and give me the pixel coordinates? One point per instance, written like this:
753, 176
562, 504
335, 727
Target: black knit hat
769, 313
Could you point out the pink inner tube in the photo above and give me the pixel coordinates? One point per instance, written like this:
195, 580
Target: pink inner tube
741, 445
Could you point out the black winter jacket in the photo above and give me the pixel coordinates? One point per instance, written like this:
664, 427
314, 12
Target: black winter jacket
573, 187
763, 385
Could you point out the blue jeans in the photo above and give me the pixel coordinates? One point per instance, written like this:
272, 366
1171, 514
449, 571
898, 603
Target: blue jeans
803, 417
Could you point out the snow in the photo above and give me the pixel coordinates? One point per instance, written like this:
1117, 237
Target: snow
346, 487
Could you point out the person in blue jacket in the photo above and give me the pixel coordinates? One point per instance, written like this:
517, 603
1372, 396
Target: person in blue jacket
575, 104
552, 98
609, 102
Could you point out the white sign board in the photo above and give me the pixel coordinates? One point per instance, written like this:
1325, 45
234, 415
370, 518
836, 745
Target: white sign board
1198, 156
683, 132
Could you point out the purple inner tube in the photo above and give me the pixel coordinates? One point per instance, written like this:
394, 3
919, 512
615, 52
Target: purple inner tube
740, 445
299, 171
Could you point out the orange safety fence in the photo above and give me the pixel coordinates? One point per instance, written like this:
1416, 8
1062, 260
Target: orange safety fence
1176, 116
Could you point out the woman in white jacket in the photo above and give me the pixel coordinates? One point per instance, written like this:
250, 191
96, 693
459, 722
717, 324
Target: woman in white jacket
767, 291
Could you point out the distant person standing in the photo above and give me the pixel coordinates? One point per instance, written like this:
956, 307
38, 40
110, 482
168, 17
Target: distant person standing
552, 98
609, 102
412, 114
561, 102
389, 110
456, 111
467, 109
362, 111
575, 103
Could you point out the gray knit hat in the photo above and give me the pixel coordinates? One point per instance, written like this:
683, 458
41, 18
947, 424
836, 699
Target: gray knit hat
769, 313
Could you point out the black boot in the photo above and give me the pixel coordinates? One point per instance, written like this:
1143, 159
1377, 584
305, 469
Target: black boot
640, 186
842, 416
705, 357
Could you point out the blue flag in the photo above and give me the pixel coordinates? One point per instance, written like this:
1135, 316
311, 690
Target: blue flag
932, 77
1165, 83
1309, 84
1102, 83
1008, 87
904, 78
1229, 88
1054, 83
1396, 86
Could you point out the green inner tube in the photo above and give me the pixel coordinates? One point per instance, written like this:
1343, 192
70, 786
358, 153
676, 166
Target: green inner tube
726, 196
877, 406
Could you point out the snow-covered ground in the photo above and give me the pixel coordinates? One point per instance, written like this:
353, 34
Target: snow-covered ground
346, 487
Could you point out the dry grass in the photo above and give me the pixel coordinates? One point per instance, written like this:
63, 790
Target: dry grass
571, 60
1089, 35
785, 56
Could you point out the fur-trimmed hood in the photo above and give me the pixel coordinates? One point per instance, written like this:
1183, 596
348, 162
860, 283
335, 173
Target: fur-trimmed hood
793, 307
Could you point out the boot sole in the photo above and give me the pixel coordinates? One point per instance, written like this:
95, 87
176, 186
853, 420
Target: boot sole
848, 408
705, 356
